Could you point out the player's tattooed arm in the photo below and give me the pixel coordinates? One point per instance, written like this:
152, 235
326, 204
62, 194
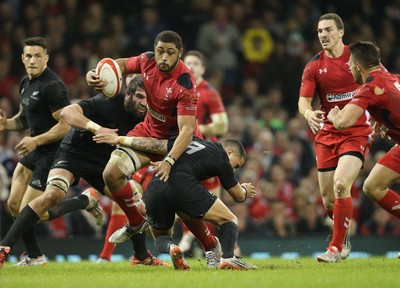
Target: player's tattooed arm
144, 144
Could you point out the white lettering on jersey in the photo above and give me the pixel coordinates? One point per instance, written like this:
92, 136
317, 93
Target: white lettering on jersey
156, 115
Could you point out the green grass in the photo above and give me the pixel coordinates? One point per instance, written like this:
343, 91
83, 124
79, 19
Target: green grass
274, 272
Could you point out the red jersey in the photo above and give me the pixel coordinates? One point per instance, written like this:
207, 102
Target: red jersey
209, 102
334, 85
168, 95
385, 108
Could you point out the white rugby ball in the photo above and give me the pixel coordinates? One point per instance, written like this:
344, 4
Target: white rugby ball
108, 70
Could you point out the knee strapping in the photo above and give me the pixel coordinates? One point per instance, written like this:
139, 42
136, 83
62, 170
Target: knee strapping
126, 160
59, 182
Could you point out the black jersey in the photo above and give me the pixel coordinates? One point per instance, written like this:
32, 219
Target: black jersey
107, 112
203, 159
40, 97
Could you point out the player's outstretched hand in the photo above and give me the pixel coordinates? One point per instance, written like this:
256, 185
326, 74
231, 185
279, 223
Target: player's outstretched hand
107, 136
251, 190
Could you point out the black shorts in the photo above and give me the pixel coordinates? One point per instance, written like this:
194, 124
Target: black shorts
182, 192
82, 165
39, 161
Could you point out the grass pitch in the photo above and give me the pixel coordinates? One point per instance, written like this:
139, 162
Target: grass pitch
273, 272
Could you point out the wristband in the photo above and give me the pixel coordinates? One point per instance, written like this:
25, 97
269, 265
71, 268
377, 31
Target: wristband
92, 127
126, 141
170, 160
245, 196
305, 113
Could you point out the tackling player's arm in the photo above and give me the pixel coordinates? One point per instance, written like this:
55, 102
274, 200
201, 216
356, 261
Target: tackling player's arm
73, 115
345, 118
218, 125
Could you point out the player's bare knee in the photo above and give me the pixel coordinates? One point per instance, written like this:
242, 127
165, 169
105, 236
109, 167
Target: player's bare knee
339, 186
369, 189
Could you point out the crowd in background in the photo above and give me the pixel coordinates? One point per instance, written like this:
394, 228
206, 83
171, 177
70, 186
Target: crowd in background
256, 51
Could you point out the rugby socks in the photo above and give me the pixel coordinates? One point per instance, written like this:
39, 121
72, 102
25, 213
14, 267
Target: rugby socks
391, 203
31, 243
26, 219
200, 230
139, 246
228, 234
116, 221
126, 201
163, 242
342, 214
68, 205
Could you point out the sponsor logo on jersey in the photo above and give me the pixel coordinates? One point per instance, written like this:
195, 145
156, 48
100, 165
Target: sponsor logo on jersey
339, 97
323, 70
156, 115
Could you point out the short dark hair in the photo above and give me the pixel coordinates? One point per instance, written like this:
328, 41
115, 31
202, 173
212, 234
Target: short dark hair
198, 54
236, 146
36, 41
333, 16
134, 84
169, 36
366, 53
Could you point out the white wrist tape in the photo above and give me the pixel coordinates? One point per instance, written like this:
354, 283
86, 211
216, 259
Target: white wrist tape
92, 127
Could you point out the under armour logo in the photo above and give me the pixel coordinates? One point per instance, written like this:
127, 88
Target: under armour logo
324, 70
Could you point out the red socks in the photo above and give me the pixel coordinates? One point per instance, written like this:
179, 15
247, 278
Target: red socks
342, 214
125, 200
391, 203
200, 230
116, 221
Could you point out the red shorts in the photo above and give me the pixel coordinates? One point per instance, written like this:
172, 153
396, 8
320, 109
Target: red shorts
391, 159
141, 130
211, 183
330, 146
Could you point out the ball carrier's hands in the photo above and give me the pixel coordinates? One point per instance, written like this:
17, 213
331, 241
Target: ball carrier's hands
94, 81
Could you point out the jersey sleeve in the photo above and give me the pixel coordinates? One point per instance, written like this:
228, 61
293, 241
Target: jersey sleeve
187, 104
215, 103
98, 105
133, 63
56, 95
362, 97
227, 176
308, 83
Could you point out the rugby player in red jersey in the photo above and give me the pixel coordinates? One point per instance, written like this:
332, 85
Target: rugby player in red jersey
339, 153
172, 104
380, 96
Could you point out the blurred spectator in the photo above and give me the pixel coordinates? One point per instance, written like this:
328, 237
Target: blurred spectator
219, 40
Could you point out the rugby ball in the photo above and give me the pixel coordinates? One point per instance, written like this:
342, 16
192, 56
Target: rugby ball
108, 70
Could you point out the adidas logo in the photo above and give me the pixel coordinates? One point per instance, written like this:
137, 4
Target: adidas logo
37, 182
